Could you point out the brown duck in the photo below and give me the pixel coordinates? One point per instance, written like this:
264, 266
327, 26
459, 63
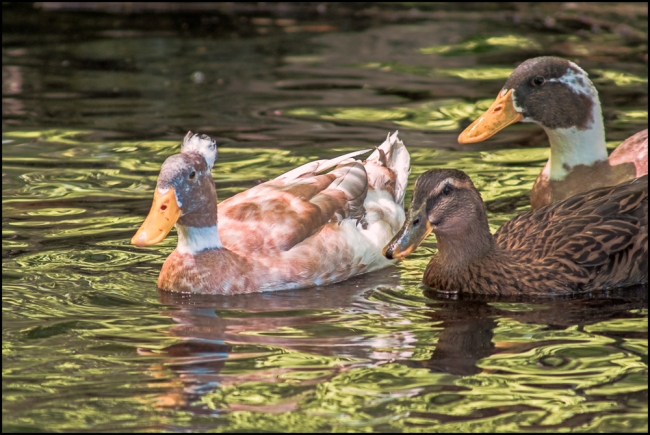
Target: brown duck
594, 240
558, 95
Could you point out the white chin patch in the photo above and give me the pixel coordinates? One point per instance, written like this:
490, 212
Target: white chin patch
201, 143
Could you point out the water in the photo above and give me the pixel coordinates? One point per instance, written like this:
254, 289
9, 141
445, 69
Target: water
93, 104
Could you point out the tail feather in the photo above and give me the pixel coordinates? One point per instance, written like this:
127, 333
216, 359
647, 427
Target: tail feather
388, 167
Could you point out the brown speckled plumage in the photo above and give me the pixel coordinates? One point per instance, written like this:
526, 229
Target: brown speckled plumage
594, 240
321, 259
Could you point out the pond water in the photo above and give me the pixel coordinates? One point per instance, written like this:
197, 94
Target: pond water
93, 103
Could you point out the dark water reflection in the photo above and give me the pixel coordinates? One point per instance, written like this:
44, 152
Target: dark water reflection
94, 103
443, 361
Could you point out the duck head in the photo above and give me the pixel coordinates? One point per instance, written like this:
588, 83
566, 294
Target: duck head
558, 95
185, 196
550, 91
446, 202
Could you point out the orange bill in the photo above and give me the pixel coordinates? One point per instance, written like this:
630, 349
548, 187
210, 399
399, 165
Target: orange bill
415, 229
501, 114
161, 219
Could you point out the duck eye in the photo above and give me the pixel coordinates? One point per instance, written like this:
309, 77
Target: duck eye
446, 190
192, 175
539, 81
416, 221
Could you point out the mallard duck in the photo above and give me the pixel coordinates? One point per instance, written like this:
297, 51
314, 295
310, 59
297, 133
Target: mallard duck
558, 95
304, 228
594, 240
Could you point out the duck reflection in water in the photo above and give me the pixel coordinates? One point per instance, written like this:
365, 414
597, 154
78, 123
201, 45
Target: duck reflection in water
243, 331
468, 323
232, 342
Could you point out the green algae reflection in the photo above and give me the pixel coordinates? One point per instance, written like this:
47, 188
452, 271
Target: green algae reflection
482, 45
619, 78
473, 73
540, 388
436, 115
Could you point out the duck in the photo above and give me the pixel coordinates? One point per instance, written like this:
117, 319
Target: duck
558, 95
594, 240
320, 223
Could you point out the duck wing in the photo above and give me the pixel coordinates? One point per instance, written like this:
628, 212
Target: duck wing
278, 214
599, 236
633, 149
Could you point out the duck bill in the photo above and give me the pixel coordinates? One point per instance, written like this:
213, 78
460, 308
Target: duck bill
501, 114
407, 239
161, 219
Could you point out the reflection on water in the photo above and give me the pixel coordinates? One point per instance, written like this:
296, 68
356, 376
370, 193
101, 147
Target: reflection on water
482, 45
437, 115
400, 359
90, 343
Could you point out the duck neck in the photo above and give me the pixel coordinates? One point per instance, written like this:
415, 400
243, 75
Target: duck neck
459, 249
573, 146
198, 230
192, 240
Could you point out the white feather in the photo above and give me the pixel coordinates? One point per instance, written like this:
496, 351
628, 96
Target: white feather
317, 166
192, 240
398, 160
201, 143
572, 146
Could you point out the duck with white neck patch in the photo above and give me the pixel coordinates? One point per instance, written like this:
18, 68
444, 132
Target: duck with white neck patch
306, 227
558, 95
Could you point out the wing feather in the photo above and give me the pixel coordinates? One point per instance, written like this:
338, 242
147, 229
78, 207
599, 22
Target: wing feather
594, 231
283, 212
316, 167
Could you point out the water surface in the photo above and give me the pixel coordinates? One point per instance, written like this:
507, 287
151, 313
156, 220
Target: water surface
94, 103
